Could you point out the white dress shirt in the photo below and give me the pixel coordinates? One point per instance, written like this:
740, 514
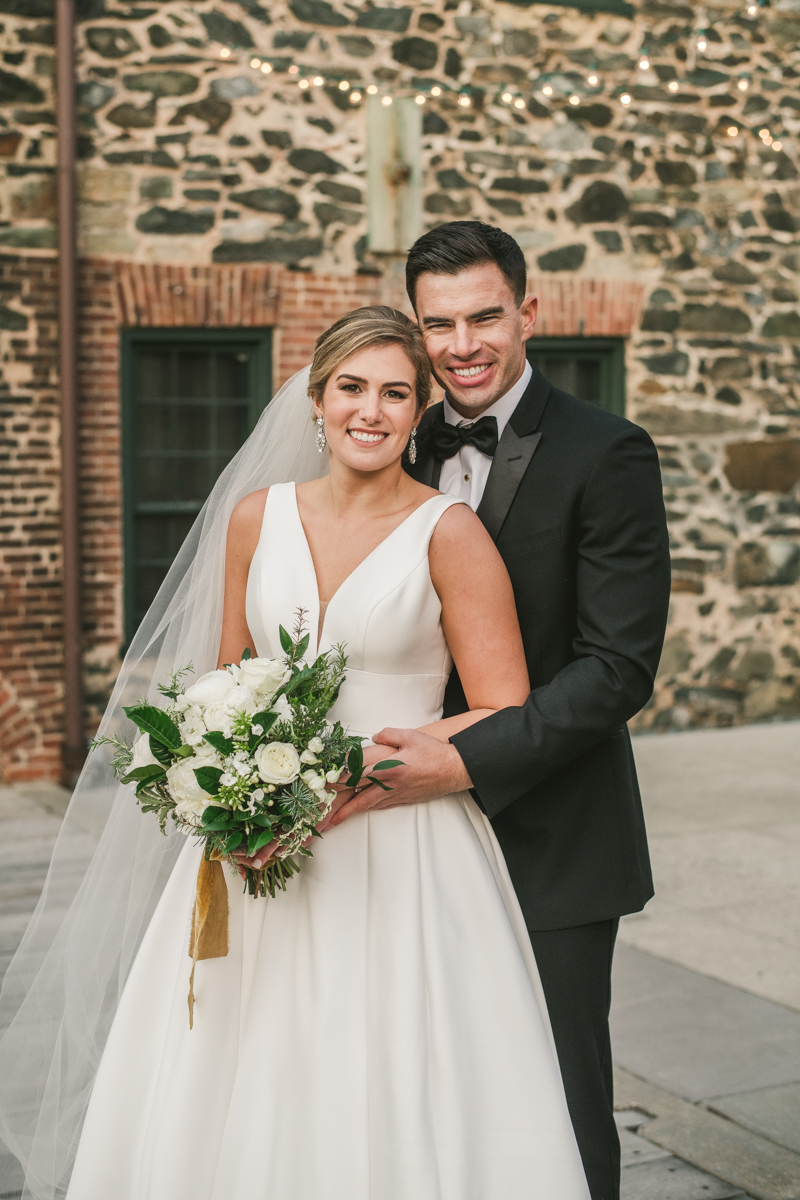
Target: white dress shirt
465, 474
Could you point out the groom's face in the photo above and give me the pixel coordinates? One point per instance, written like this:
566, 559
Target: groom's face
475, 334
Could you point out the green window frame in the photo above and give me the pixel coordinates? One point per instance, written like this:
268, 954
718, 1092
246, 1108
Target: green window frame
190, 397
592, 366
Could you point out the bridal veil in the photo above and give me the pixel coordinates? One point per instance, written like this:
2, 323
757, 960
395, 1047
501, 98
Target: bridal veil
110, 865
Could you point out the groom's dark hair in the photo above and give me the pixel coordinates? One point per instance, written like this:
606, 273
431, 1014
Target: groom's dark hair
454, 247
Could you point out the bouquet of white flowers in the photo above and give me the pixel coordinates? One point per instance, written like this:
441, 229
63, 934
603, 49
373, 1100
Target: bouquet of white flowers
245, 756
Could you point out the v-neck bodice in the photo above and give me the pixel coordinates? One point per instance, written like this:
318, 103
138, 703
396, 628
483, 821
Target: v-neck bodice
386, 613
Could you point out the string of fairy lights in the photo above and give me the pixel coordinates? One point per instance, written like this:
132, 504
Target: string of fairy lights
546, 89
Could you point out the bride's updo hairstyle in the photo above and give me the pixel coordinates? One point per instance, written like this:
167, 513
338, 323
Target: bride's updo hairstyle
376, 325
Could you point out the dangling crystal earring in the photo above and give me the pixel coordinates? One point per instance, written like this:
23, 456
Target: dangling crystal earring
322, 441
412, 445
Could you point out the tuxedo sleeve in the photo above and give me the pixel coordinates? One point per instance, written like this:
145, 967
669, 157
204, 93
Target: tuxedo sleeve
623, 582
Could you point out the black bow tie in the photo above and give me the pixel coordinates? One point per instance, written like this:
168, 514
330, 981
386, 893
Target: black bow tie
447, 440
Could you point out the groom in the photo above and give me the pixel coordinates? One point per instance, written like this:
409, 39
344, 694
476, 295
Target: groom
572, 497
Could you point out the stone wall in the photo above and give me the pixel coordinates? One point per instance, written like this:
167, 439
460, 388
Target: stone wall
670, 209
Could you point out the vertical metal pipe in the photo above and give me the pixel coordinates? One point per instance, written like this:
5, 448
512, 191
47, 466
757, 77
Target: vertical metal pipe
74, 746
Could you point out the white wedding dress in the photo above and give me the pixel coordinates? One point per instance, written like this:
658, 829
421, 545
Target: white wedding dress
376, 1032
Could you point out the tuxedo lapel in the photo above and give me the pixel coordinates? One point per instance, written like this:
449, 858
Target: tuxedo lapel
514, 453
510, 463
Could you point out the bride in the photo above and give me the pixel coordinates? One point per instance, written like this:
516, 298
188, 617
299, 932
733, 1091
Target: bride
378, 1031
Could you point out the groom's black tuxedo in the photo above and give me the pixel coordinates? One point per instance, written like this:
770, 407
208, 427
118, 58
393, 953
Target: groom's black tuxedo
574, 504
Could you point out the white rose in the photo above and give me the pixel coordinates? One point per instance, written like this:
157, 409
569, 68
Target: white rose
192, 800
142, 754
263, 675
217, 718
316, 745
284, 710
209, 688
277, 762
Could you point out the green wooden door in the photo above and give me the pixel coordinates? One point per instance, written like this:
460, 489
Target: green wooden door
592, 369
189, 400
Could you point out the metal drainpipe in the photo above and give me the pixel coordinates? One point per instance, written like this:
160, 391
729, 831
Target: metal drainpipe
74, 746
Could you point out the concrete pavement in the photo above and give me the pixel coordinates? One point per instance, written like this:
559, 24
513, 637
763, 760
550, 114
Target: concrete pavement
706, 1012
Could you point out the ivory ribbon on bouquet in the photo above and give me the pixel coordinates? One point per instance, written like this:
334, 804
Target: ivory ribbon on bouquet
209, 936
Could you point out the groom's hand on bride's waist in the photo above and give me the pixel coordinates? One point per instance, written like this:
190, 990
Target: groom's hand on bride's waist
430, 768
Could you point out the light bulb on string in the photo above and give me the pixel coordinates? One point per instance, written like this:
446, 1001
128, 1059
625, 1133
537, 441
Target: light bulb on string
702, 44
624, 98
419, 99
743, 85
224, 52
644, 63
777, 145
266, 68
673, 85
732, 131
519, 102
574, 99
386, 101
317, 81
372, 90
506, 97
344, 86
355, 97
547, 90
304, 84
592, 81
255, 62
464, 101
751, 10
436, 91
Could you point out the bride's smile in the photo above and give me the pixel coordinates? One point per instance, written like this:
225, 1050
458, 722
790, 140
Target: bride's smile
369, 408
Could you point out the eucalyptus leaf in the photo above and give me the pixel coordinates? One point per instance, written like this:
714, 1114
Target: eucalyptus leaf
155, 722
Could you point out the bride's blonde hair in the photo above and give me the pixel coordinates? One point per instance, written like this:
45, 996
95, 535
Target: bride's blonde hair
376, 325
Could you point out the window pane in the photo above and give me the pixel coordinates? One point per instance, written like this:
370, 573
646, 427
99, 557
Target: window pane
587, 383
232, 375
194, 375
152, 374
190, 406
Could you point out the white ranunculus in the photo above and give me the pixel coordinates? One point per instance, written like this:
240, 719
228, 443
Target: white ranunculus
277, 762
218, 718
142, 754
210, 688
316, 745
284, 710
192, 800
240, 699
263, 675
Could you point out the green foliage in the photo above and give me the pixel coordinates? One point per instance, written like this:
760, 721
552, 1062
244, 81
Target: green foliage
208, 778
155, 722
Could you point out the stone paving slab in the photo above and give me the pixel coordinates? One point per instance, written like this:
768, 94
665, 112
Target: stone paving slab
671, 1179
695, 1036
711, 1143
723, 818
772, 1112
